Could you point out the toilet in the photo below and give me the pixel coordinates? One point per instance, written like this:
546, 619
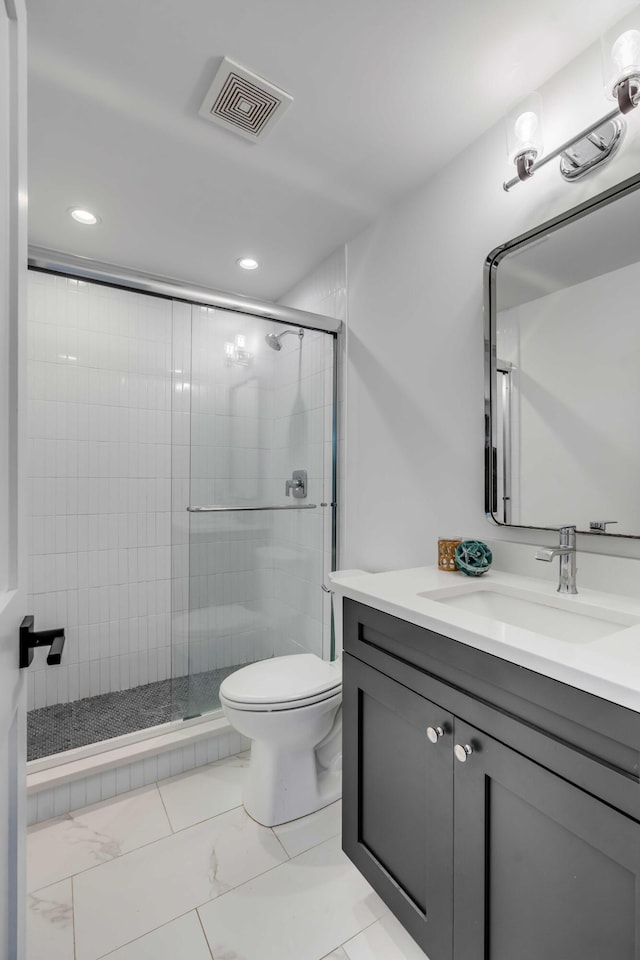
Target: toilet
290, 708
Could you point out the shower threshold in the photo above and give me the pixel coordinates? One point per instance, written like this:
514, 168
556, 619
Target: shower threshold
66, 726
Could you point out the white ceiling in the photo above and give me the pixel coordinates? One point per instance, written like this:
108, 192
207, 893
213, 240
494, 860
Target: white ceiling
385, 91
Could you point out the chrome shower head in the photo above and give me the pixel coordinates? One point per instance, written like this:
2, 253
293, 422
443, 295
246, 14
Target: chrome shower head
273, 339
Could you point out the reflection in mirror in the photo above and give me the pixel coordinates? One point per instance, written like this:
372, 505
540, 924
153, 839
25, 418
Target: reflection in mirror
564, 370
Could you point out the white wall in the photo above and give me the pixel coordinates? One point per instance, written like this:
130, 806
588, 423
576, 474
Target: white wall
415, 442
99, 428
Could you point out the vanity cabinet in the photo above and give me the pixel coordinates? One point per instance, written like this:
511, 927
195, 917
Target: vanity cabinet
528, 846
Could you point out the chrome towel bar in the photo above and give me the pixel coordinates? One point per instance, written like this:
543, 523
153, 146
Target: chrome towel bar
223, 509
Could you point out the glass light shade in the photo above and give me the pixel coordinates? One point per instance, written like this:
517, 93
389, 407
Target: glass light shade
524, 128
621, 53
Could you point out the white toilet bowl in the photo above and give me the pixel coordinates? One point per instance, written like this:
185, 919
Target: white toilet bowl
290, 708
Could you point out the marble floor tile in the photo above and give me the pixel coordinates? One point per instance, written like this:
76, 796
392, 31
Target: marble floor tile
205, 792
301, 910
338, 954
384, 940
50, 923
130, 896
300, 835
77, 841
182, 938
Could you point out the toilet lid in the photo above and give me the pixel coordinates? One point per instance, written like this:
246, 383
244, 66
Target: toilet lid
282, 680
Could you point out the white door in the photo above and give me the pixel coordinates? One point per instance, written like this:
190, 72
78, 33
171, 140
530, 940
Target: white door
13, 267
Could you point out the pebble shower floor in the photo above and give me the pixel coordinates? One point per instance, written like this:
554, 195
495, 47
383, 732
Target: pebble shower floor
64, 726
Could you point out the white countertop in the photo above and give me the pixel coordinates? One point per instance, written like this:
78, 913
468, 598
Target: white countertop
608, 667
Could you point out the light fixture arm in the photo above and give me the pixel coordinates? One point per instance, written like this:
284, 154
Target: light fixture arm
625, 94
524, 164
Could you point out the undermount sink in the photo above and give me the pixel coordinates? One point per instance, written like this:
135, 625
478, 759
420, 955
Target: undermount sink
558, 617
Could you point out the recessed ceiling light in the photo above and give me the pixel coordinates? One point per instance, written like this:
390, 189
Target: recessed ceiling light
248, 263
84, 216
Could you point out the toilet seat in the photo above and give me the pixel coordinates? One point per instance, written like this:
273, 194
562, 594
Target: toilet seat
283, 683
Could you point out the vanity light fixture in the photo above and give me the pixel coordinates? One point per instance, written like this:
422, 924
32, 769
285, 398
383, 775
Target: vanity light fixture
84, 216
597, 142
236, 352
620, 48
248, 263
524, 134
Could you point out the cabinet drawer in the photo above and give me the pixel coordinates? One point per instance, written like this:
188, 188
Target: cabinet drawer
589, 741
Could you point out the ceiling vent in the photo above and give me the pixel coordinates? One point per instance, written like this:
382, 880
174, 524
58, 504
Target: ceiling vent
241, 101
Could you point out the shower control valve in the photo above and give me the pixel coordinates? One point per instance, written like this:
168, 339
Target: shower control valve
297, 485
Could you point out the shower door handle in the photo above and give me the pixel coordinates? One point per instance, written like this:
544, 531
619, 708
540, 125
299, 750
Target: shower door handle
30, 638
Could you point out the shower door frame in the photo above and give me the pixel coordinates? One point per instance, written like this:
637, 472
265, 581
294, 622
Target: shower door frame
54, 262
51, 261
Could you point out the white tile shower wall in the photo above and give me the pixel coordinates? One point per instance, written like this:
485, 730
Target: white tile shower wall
304, 438
230, 557
255, 577
99, 430
180, 487
302, 426
125, 431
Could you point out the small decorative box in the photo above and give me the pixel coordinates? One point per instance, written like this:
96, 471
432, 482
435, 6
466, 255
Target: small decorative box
447, 553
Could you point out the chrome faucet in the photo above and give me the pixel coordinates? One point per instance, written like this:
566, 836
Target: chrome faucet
567, 553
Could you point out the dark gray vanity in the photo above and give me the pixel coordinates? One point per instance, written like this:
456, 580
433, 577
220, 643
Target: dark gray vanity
496, 811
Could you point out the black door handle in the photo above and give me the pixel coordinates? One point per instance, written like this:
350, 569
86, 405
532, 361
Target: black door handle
30, 638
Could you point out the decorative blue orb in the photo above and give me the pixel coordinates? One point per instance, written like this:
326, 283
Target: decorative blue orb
473, 557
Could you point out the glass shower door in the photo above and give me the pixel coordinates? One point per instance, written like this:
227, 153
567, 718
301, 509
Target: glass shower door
261, 477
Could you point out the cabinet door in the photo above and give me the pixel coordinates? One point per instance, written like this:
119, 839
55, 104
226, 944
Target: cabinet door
542, 869
397, 801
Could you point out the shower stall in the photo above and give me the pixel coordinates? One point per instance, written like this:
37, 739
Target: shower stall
182, 475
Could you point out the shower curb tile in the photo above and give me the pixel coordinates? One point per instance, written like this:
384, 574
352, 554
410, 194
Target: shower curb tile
88, 790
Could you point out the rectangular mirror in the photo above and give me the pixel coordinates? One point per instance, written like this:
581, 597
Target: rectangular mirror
562, 370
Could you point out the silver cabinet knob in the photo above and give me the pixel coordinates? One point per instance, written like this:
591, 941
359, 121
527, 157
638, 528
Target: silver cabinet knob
462, 752
434, 733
